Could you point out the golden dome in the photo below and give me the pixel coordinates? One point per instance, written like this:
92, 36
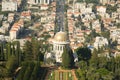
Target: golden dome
61, 37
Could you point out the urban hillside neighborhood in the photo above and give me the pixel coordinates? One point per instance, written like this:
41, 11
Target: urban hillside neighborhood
59, 39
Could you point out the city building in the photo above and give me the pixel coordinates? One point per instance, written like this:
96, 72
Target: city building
44, 7
26, 15
101, 9
9, 5
6, 25
39, 1
10, 17
115, 35
16, 29
100, 42
96, 25
104, 1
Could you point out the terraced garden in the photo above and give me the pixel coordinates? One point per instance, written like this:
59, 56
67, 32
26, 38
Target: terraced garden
62, 75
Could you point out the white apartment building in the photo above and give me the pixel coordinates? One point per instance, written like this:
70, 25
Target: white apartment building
78, 5
44, 7
26, 15
115, 35
104, 1
6, 25
88, 17
16, 29
10, 17
82, 7
96, 25
9, 5
39, 1
101, 9
13, 34
100, 42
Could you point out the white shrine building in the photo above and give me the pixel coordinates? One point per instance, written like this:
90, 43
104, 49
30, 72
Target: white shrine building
59, 42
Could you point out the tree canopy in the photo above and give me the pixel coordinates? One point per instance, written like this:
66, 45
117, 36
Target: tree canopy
83, 53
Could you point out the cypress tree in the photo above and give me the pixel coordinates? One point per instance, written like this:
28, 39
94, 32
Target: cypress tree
70, 52
22, 71
27, 50
1, 52
11, 65
67, 58
18, 52
28, 71
8, 49
34, 73
13, 50
35, 48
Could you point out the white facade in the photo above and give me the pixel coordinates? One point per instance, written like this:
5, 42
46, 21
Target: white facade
78, 6
13, 34
86, 10
104, 1
58, 49
9, 6
59, 42
100, 42
44, 7
96, 25
2, 38
115, 35
16, 29
6, 25
39, 1
101, 9
10, 17
26, 15
88, 17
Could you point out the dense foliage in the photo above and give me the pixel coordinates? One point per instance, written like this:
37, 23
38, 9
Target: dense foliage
29, 71
31, 50
83, 53
97, 68
111, 9
28, 59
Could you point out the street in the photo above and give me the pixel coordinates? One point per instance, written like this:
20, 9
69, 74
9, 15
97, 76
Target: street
60, 16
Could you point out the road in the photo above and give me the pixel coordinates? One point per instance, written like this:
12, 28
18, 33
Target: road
60, 16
